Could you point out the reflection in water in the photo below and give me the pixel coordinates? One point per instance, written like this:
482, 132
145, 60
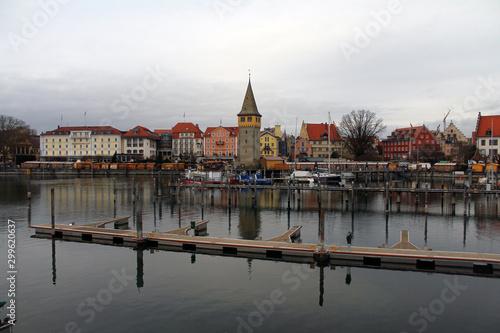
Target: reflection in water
321, 284
140, 268
249, 262
348, 278
54, 275
425, 231
466, 223
249, 226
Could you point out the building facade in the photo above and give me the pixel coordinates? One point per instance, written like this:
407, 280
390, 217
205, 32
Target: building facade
452, 137
187, 140
249, 122
410, 143
319, 135
98, 143
140, 141
221, 142
302, 148
269, 144
164, 146
487, 135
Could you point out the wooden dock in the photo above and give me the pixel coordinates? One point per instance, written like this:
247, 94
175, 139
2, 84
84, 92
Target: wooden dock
289, 236
402, 256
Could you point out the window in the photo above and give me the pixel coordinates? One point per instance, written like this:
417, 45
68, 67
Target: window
242, 119
483, 142
249, 118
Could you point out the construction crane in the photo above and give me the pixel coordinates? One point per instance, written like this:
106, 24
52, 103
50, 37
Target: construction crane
444, 119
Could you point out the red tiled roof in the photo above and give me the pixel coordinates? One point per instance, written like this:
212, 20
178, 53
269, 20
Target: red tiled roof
160, 131
232, 130
316, 132
63, 130
484, 125
186, 128
401, 131
141, 132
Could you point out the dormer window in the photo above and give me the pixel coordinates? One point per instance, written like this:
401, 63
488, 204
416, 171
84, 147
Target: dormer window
136, 131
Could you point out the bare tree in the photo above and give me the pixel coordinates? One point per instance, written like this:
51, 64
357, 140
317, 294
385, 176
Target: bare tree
13, 132
360, 129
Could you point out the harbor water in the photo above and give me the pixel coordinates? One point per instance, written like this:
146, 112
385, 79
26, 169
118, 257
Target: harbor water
64, 286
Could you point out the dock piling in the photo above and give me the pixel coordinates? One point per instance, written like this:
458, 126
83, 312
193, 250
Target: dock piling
52, 213
139, 217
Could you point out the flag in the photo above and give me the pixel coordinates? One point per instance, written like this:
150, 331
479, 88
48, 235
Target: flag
85, 113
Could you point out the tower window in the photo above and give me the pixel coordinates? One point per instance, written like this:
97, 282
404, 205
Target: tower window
242, 119
249, 118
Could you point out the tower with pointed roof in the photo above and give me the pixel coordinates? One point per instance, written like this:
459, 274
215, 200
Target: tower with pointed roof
249, 120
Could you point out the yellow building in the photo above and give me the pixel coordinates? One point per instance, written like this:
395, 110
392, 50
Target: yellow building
269, 144
81, 142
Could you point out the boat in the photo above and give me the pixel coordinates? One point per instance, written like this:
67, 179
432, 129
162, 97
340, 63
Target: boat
325, 177
202, 177
257, 179
302, 177
346, 178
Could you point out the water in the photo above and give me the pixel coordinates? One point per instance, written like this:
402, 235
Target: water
77, 287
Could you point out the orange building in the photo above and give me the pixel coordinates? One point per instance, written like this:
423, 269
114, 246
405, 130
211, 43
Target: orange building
221, 141
302, 147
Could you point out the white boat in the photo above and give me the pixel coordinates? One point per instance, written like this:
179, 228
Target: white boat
302, 177
326, 177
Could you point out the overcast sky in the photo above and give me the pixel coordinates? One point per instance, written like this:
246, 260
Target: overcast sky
149, 63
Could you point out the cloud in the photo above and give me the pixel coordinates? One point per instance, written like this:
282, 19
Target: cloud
87, 55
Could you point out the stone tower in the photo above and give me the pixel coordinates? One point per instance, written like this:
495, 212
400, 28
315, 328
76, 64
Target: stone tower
249, 131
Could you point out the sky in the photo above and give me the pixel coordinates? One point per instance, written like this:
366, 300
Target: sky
125, 63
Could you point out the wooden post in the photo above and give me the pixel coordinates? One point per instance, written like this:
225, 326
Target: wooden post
229, 195
352, 197
288, 194
426, 207
178, 191
139, 215
114, 197
29, 185
386, 197
322, 229
160, 191
453, 202
319, 196
155, 187
465, 201
52, 213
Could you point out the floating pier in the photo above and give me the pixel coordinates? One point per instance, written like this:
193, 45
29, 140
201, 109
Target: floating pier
402, 256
